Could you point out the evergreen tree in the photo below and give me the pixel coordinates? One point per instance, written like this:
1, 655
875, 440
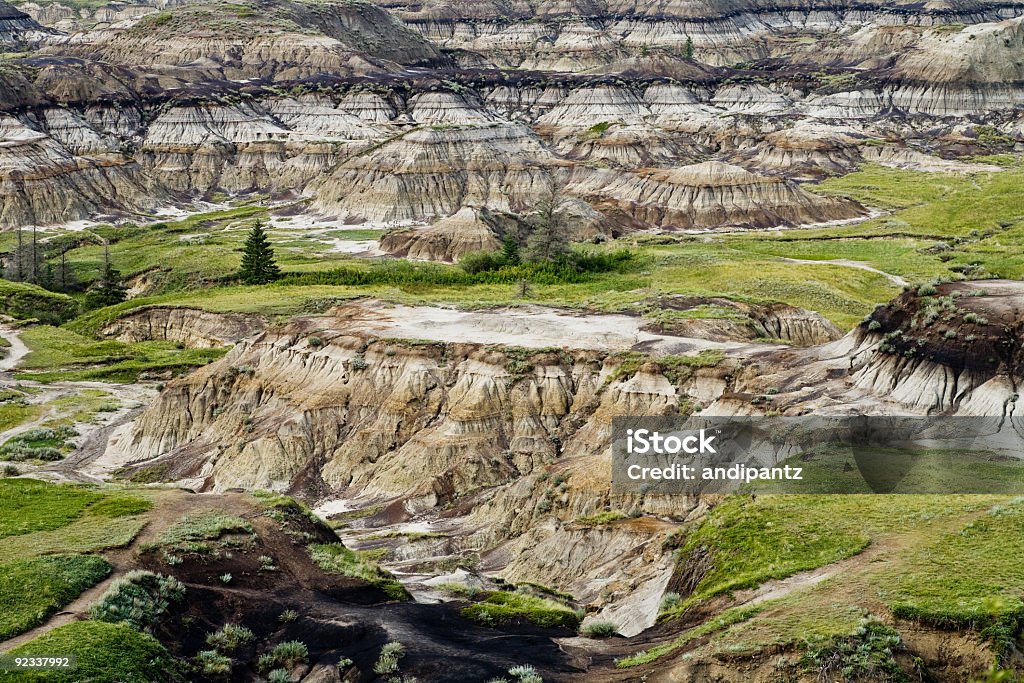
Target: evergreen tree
688, 49
65, 279
510, 250
549, 237
258, 264
108, 289
25, 263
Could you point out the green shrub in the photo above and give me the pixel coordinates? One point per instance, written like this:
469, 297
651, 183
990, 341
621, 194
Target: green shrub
390, 655
290, 654
868, 654
213, 663
279, 676
670, 601
600, 629
524, 673
229, 638
139, 599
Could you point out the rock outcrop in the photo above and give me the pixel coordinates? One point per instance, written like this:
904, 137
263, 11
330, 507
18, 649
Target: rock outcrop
447, 240
16, 27
189, 326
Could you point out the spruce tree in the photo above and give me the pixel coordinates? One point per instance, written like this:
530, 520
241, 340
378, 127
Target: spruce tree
510, 250
108, 289
688, 49
549, 236
258, 264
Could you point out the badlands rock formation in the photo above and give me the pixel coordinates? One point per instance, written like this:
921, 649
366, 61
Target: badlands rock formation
392, 113
447, 240
16, 27
517, 441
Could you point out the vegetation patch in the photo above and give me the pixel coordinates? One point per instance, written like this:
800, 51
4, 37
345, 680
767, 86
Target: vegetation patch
139, 599
196, 533
32, 589
28, 505
965, 579
41, 443
27, 301
335, 557
58, 354
502, 607
866, 655
743, 543
724, 620
104, 652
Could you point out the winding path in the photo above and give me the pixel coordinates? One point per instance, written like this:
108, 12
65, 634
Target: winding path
847, 263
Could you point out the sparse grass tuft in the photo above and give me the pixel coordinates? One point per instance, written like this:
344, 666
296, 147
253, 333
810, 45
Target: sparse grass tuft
335, 557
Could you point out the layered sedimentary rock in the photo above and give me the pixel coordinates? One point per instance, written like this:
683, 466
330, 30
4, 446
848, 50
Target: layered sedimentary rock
432, 172
192, 327
16, 27
447, 240
42, 181
514, 445
559, 35
277, 39
711, 194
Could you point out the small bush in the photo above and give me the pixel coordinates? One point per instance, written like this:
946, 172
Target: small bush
212, 663
279, 676
288, 616
229, 638
524, 673
139, 599
390, 655
290, 654
600, 629
670, 601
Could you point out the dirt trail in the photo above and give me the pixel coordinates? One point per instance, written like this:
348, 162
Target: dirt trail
14, 354
860, 265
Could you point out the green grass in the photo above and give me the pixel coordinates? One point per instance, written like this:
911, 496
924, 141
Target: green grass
745, 542
33, 589
965, 578
727, 618
749, 543
106, 653
28, 506
38, 518
14, 414
193, 533
91, 533
59, 354
501, 607
335, 557
20, 300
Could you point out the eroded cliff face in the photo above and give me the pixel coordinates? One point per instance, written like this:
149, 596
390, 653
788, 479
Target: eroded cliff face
192, 327
506, 448
17, 28
564, 36
355, 107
